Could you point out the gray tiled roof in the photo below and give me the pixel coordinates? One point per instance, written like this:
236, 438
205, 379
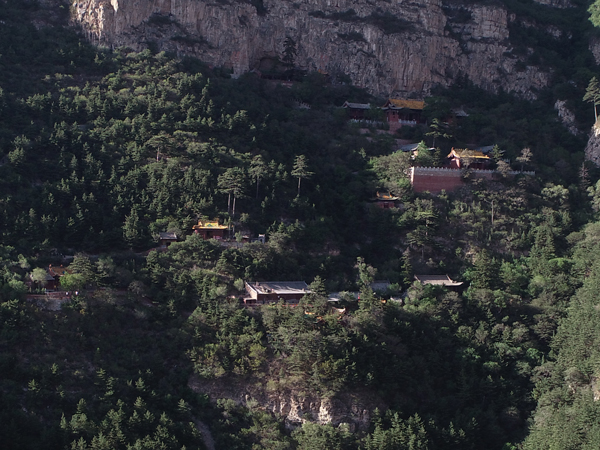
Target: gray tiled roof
356, 105
281, 287
438, 280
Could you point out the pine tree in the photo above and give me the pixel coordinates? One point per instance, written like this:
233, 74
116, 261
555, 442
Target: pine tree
289, 51
258, 169
131, 228
592, 92
437, 130
231, 182
525, 157
300, 170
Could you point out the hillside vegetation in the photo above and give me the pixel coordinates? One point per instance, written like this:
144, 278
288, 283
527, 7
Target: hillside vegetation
101, 151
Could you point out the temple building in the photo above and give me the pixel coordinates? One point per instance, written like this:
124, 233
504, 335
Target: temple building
262, 293
210, 229
400, 113
437, 280
357, 111
386, 201
465, 158
166, 238
54, 274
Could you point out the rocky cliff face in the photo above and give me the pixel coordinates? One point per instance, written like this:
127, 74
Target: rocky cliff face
592, 150
566, 116
294, 407
399, 48
594, 47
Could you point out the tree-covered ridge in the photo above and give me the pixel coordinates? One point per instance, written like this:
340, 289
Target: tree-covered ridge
101, 151
566, 386
486, 344
145, 143
190, 121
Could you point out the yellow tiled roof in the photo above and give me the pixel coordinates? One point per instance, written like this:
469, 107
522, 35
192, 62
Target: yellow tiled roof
466, 153
409, 104
213, 225
387, 196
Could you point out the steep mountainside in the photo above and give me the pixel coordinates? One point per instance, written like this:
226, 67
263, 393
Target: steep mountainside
392, 48
102, 152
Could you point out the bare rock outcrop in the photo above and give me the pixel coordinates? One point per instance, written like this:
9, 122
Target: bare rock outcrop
592, 149
594, 47
566, 116
399, 48
295, 406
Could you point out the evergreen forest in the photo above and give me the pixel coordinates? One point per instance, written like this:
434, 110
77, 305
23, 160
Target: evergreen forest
103, 150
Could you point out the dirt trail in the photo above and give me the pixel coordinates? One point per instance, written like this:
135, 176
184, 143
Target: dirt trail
206, 434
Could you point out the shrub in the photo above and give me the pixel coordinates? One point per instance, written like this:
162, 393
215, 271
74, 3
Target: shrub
389, 23
159, 20
353, 36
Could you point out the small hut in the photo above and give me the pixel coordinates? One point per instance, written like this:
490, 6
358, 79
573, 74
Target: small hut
166, 239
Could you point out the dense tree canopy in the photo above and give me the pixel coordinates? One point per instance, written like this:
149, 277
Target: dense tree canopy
102, 151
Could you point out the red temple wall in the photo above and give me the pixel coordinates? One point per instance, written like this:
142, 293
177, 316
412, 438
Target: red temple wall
436, 183
436, 180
